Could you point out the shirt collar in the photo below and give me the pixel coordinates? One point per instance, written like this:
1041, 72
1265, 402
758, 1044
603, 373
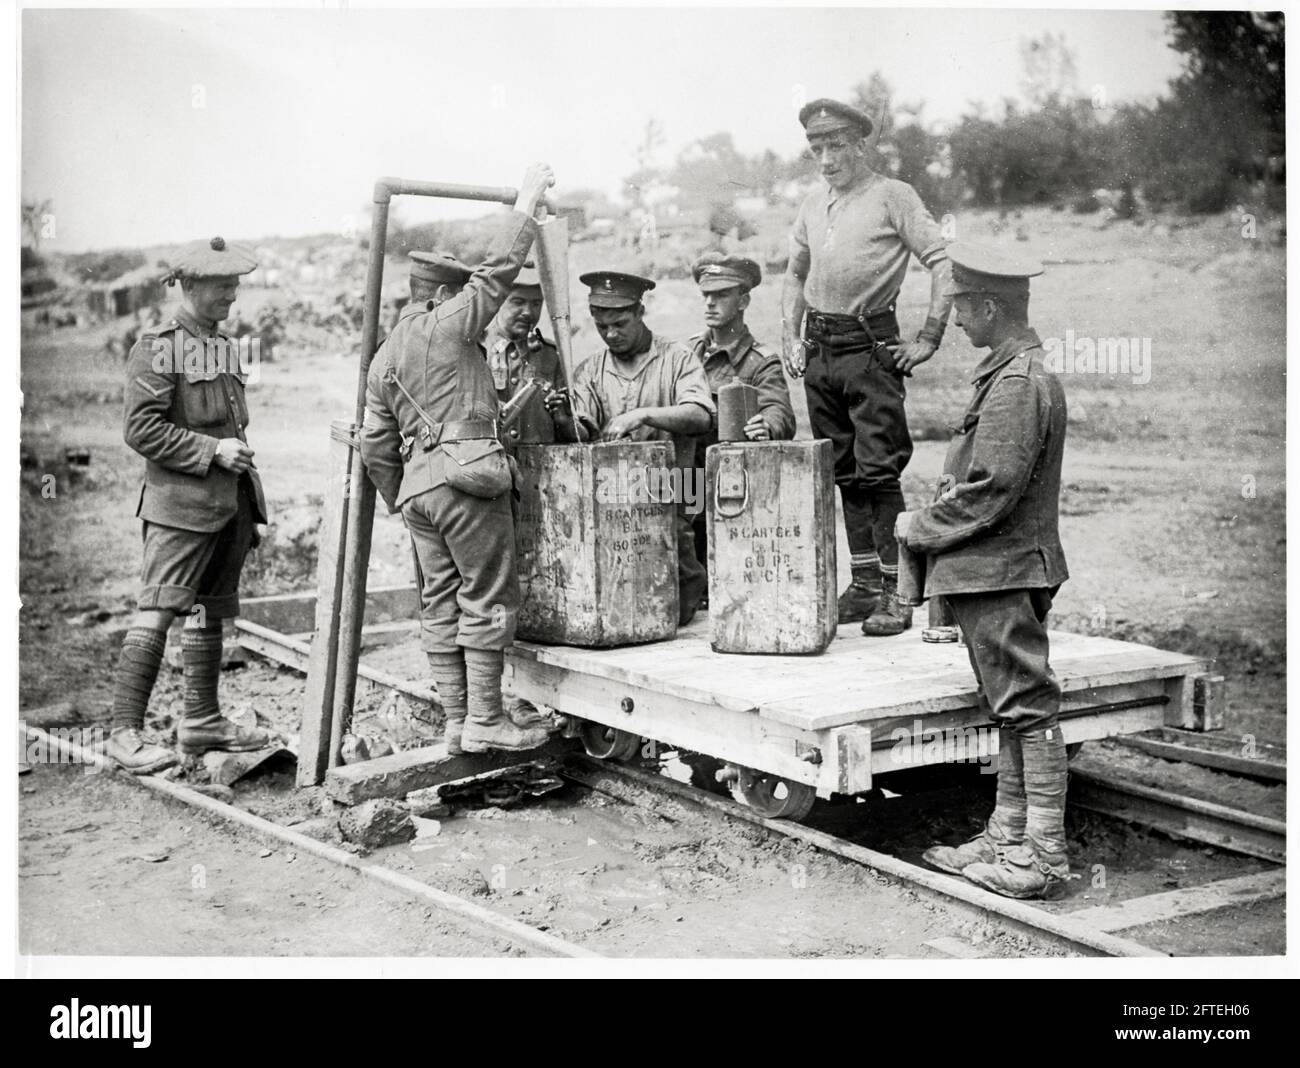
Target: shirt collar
493, 336
735, 348
1022, 340
194, 325
413, 307
833, 194
647, 340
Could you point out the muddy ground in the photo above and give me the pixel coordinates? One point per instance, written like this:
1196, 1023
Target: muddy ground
1173, 519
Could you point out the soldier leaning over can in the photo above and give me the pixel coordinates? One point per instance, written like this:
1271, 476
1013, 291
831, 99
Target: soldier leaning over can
430, 445
641, 387
186, 415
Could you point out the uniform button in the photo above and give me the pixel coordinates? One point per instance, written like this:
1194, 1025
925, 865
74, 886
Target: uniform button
514, 433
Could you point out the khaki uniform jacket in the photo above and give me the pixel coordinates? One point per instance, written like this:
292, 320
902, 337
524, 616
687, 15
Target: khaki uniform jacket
180, 402
535, 425
744, 361
995, 525
435, 353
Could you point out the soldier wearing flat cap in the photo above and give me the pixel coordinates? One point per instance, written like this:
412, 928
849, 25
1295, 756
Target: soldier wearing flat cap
518, 353
729, 353
994, 552
430, 445
849, 252
201, 500
643, 388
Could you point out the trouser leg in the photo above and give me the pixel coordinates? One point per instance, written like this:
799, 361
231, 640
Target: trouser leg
692, 579
1007, 638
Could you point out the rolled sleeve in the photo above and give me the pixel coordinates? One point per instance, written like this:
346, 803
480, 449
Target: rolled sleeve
147, 427
800, 256
690, 384
587, 405
1010, 437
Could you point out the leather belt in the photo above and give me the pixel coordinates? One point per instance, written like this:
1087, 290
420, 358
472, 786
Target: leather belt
829, 324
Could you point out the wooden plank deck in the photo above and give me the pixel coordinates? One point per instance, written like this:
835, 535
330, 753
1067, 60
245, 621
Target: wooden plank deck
856, 680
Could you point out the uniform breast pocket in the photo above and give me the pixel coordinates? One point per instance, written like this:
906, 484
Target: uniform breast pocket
202, 399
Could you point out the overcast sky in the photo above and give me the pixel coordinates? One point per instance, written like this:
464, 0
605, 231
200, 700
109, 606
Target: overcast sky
151, 126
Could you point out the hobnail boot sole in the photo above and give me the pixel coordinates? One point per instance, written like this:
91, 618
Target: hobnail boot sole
226, 747
482, 745
161, 764
949, 869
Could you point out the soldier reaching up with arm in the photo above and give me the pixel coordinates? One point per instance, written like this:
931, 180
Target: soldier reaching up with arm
429, 444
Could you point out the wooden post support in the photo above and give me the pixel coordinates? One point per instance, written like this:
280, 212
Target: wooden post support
1209, 699
317, 713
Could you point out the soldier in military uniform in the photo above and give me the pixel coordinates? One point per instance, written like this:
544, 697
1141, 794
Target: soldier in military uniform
430, 445
729, 353
201, 500
517, 353
994, 551
848, 255
643, 388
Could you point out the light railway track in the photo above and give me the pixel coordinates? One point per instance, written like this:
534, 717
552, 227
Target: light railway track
467, 913
1181, 817
1089, 931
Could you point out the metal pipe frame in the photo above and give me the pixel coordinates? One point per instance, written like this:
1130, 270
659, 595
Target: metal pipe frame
361, 491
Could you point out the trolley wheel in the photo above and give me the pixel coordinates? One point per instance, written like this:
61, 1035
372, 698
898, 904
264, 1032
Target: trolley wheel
608, 743
773, 797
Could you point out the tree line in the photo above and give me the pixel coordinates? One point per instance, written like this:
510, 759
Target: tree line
1217, 136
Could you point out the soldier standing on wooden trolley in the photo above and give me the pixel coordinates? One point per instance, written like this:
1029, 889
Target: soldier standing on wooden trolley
848, 256
642, 388
994, 551
729, 353
200, 503
517, 355
430, 445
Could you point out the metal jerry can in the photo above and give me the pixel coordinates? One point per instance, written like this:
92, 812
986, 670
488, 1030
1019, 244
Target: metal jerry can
596, 543
771, 528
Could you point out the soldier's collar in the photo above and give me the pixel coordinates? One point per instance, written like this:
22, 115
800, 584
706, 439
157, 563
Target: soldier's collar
1021, 341
194, 324
415, 307
735, 349
644, 345
865, 179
